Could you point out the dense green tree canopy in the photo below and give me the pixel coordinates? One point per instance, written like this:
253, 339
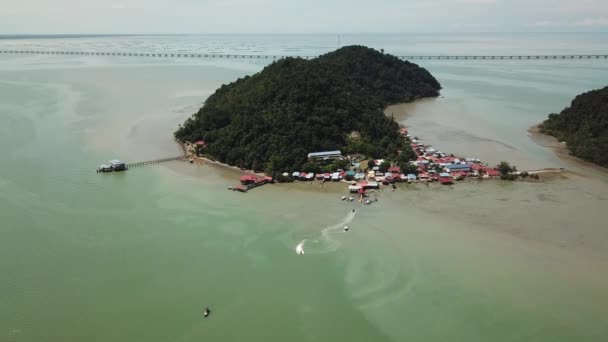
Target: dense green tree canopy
273, 119
583, 126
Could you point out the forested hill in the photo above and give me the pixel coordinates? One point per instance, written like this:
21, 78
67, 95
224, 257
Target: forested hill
270, 121
583, 126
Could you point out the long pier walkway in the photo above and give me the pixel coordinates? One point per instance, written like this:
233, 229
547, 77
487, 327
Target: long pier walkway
152, 162
232, 56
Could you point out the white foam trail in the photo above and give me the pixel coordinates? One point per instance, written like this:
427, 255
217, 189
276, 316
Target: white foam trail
348, 219
330, 244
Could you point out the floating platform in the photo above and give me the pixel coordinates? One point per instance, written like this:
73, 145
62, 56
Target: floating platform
249, 182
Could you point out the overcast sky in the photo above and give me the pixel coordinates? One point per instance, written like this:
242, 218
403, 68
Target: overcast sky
300, 16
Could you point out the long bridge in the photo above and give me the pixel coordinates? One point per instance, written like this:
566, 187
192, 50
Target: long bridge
274, 57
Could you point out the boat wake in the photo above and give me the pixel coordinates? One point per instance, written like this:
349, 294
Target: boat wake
326, 244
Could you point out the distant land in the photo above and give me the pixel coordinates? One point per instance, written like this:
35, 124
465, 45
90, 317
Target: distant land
271, 121
583, 126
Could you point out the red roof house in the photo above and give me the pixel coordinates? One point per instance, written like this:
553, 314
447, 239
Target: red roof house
394, 169
446, 180
476, 167
247, 179
459, 174
492, 172
423, 175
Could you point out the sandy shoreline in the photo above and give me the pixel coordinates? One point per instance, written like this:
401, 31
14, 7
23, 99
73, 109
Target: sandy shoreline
233, 172
401, 112
562, 150
190, 154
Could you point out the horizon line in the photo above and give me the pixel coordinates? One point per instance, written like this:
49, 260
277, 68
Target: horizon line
284, 33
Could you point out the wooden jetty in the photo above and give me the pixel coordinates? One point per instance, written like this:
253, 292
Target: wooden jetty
125, 166
249, 182
155, 161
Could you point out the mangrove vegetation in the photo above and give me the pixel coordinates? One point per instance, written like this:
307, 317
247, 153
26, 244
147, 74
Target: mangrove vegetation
583, 126
271, 120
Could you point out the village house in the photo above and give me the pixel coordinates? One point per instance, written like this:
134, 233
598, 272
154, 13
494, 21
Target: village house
354, 188
458, 167
394, 169
248, 179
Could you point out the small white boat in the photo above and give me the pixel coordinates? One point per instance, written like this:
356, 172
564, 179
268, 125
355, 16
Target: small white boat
343, 198
345, 228
300, 248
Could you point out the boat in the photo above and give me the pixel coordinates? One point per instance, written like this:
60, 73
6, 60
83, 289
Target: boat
300, 248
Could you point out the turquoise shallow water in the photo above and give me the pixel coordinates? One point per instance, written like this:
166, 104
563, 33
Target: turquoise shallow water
136, 256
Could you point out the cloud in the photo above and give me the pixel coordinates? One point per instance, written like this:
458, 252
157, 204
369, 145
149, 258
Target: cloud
602, 21
225, 16
543, 23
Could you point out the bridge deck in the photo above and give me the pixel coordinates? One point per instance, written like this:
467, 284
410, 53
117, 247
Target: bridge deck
232, 56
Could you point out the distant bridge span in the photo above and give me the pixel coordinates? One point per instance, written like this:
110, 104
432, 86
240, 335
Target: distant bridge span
274, 57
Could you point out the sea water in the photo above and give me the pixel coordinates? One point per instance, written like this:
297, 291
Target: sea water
136, 256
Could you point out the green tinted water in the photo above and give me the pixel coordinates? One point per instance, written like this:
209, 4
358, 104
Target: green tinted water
136, 256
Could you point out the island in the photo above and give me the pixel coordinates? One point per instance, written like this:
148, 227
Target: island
583, 126
276, 120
